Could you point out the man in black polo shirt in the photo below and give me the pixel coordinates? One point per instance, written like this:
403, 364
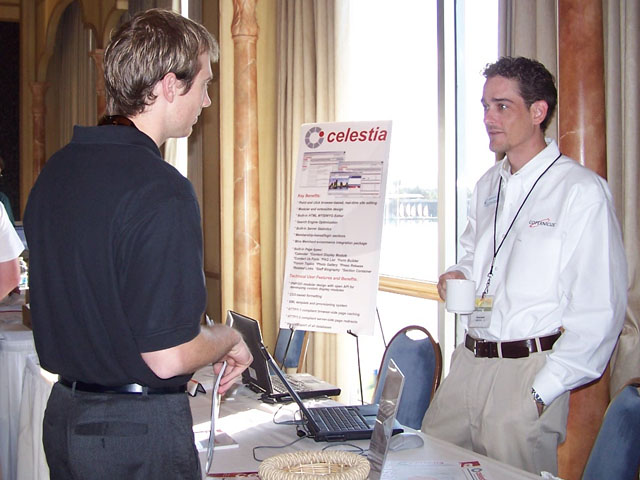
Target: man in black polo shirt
116, 283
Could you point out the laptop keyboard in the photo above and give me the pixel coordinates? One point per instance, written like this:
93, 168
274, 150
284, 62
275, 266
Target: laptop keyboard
336, 418
297, 385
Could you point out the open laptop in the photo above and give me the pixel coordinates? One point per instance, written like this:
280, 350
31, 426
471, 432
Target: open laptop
260, 379
340, 423
386, 419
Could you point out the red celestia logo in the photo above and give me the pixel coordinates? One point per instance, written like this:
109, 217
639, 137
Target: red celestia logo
315, 136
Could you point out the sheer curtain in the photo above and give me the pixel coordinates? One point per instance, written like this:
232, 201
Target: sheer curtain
71, 98
529, 29
622, 76
306, 79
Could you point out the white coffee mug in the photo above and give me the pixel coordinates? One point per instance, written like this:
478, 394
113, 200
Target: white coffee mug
461, 296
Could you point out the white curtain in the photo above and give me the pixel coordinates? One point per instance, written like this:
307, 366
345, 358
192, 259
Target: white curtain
622, 77
529, 29
306, 79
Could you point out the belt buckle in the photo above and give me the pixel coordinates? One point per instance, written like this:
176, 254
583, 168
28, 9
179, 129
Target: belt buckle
480, 348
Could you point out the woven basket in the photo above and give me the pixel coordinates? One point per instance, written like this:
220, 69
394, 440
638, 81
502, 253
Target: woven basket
325, 465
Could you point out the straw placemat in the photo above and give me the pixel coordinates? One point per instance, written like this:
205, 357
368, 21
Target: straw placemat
325, 465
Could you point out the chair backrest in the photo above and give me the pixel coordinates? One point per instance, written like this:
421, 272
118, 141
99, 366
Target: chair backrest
419, 358
616, 451
297, 348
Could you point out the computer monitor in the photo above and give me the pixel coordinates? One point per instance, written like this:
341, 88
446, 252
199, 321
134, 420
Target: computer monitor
20, 231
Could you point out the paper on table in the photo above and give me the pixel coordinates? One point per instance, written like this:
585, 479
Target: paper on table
424, 470
222, 440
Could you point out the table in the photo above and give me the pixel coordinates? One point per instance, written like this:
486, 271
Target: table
243, 416
250, 423
16, 344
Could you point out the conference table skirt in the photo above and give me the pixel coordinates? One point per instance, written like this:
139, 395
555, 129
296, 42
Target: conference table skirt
36, 387
16, 344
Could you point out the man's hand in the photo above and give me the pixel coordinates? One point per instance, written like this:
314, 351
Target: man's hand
442, 282
238, 359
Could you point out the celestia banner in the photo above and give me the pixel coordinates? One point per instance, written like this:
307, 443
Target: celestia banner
333, 249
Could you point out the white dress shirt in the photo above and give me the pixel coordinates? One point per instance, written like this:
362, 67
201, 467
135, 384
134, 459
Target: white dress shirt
562, 264
10, 244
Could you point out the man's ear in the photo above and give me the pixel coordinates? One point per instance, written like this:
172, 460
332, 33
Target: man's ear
169, 86
538, 111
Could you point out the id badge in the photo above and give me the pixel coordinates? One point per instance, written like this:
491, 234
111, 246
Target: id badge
481, 316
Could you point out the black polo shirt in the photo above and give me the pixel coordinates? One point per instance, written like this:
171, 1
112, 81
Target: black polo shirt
115, 258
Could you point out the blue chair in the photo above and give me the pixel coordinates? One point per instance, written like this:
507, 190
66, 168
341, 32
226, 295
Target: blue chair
616, 451
297, 348
419, 358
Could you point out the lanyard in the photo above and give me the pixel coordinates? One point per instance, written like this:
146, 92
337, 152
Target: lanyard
495, 221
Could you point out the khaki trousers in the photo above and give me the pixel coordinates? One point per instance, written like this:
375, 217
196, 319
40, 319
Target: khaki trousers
485, 405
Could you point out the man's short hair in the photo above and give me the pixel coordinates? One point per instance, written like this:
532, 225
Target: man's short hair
146, 48
534, 81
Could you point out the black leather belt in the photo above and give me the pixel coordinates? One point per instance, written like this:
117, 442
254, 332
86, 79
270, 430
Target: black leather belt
129, 388
515, 349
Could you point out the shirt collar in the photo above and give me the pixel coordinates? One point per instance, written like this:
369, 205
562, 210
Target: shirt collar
534, 167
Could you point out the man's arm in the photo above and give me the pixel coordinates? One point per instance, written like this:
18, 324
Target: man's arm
464, 268
594, 283
9, 276
214, 344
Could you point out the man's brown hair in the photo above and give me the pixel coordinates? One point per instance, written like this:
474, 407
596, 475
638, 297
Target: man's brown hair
146, 48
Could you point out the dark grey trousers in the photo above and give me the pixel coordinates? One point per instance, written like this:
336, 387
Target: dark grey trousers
113, 436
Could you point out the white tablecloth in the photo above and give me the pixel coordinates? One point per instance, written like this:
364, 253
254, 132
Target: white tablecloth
16, 344
36, 387
250, 423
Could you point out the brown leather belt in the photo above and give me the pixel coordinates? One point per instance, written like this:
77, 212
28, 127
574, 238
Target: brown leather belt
515, 349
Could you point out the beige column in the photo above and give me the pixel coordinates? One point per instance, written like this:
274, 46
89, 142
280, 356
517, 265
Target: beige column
581, 116
98, 58
38, 111
247, 276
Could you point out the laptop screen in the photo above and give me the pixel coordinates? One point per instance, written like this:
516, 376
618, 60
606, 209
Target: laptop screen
388, 407
258, 373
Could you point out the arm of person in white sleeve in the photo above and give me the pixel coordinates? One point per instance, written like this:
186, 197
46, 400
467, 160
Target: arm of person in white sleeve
593, 281
464, 268
9, 276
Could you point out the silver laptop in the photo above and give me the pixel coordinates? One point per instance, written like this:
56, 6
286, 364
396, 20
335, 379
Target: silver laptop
261, 379
384, 428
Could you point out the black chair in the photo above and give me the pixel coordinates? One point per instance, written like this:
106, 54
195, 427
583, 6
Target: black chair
419, 358
616, 451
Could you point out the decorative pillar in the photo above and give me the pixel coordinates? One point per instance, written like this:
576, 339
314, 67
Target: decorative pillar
39, 111
581, 105
98, 58
581, 117
247, 276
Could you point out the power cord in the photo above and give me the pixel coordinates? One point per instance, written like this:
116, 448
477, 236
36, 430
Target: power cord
354, 448
255, 449
286, 422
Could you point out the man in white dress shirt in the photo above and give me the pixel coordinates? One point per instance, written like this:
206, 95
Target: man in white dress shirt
10, 249
544, 248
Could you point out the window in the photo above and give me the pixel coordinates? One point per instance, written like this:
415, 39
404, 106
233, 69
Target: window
395, 65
